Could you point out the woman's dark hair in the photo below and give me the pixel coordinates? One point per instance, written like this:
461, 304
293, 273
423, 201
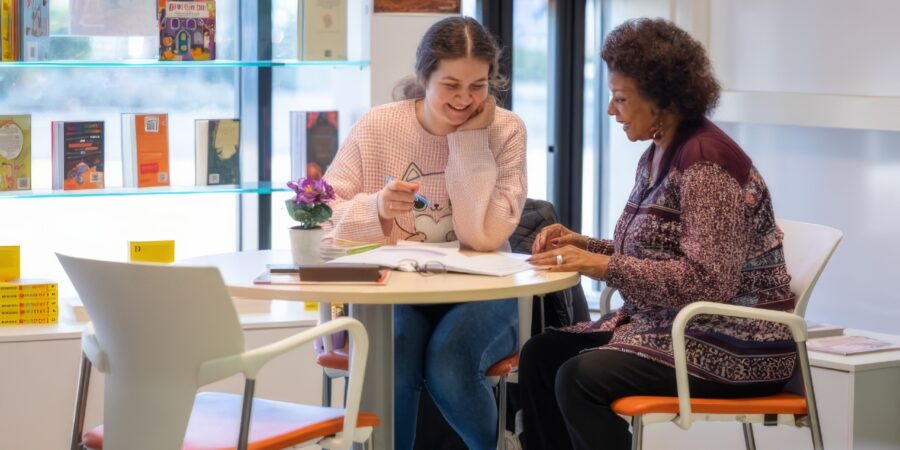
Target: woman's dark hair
667, 64
451, 38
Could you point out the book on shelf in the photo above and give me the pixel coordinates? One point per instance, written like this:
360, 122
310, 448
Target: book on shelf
35, 37
218, 151
29, 301
110, 17
323, 30
9, 30
417, 6
145, 150
15, 152
314, 142
77, 154
849, 345
187, 30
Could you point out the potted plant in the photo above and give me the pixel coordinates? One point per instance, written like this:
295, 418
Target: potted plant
309, 207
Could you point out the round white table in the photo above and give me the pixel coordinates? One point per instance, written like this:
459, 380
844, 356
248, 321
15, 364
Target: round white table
372, 305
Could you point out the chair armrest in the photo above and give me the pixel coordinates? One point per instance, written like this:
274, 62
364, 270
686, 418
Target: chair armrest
251, 361
92, 349
796, 324
606, 299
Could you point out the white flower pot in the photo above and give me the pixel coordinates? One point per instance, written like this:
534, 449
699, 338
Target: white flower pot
305, 245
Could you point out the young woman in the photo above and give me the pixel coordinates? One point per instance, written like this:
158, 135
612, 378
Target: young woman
449, 142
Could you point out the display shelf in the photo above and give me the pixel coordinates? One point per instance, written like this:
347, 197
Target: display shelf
243, 188
182, 64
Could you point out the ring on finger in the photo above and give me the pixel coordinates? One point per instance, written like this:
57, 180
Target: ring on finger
559, 260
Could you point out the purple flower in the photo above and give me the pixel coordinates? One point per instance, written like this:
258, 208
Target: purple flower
311, 192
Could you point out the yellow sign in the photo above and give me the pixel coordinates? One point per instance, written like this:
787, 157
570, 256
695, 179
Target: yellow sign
9, 262
310, 306
151, 251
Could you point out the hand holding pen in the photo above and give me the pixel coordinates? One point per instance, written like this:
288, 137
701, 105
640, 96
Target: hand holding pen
396, 198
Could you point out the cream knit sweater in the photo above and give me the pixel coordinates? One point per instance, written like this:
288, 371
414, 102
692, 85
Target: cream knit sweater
475, 180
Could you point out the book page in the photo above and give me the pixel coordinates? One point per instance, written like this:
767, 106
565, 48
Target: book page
407, 257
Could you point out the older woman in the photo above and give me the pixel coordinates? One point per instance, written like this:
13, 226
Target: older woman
698, 226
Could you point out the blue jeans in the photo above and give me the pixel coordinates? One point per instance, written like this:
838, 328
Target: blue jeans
448, 348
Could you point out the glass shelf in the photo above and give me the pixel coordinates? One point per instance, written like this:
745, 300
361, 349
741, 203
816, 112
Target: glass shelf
183, 64
245, 188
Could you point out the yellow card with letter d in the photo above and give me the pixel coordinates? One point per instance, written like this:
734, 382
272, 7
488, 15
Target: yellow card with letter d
9, 262
151, 251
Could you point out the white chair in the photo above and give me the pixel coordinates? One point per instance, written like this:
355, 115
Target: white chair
161, 332
807, 249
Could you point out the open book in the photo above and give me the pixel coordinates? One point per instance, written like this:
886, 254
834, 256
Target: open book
409, 257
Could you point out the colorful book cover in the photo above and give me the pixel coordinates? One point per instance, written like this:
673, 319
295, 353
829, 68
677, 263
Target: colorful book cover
145, 150
417, 6
78, 155
314, 142
111, 17
15, 152
7, 44
187, 30
35, 36
324, 30
218, 151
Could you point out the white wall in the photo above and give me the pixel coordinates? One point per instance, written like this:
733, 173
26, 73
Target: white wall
395, 37
812, 95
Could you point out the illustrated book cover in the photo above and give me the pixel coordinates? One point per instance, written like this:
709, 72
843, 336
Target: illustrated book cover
110, 17
417, 6
35, 35
218, 151
314, 142
145, 150
323, 30
78, 155
187, 30
15, 152
9, 30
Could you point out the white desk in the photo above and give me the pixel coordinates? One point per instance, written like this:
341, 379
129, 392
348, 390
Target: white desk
373, 306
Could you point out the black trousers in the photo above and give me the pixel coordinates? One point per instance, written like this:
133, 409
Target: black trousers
567, 396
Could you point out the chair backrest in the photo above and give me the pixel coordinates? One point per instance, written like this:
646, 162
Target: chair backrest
154, 325
807, 249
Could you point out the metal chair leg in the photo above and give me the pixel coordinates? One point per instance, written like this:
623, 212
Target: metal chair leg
346, 385
84, 381
749, 441
812, 409
501, 413
246, 412
326, 390
637, 433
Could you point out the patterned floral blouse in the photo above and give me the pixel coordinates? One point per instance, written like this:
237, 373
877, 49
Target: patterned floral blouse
703, 230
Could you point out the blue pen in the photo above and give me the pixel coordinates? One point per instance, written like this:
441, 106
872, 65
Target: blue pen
419, 197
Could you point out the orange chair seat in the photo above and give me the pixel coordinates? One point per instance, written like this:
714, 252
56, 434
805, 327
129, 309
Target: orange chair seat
781, 403
338, 359
504, 366
215, 421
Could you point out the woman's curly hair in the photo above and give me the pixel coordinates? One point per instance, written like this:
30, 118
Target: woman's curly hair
668, 65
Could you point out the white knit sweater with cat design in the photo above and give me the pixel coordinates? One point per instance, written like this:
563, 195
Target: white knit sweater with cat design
474, 180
